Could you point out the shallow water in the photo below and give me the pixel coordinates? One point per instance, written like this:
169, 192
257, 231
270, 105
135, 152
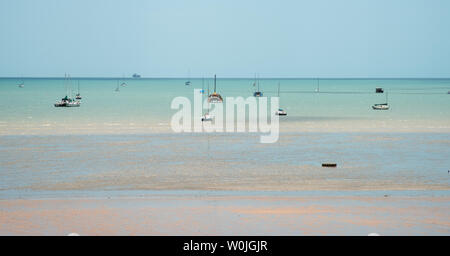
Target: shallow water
144, 104
224, 162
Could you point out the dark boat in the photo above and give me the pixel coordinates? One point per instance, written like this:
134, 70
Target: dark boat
257, 93
215, 97
379, 90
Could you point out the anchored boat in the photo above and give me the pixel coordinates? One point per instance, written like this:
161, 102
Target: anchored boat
215, 97
257, 93
207, 117
382, 106
280, 111
78, 96
68, 101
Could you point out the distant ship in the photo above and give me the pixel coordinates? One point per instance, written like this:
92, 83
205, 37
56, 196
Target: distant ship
136, 75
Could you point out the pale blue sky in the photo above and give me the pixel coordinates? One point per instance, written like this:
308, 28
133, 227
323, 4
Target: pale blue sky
233, 38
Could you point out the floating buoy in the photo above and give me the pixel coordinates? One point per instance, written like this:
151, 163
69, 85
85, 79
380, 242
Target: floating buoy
329, 165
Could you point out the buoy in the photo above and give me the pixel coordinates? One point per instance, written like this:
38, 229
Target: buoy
329, 165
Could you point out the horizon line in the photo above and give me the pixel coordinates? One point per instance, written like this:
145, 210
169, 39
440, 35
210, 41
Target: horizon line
227, 77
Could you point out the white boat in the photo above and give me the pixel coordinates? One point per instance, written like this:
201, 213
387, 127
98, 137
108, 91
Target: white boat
78, 96
22, 84
382, 106
318, 88
207, 117
67, 101
280, 111
215, 97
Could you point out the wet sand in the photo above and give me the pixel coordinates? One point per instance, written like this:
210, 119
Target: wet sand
228, 215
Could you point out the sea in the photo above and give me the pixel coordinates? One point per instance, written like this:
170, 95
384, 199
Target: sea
122, 142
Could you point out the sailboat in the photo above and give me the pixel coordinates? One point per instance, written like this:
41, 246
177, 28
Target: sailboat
317, 89
123, 84
382, 106
257, 93
22, 84
280, 111
188, 82
207, 117
215, 97
68, 101
78, 96
117, 88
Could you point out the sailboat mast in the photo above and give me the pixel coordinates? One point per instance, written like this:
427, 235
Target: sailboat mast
214, 83
208, 94
258, 82
278, 89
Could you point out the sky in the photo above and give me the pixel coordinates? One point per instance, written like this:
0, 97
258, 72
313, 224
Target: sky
232, 38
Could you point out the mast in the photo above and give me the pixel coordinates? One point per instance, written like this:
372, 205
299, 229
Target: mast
258, 82
214, 82
278, 89
317, 84
208, 94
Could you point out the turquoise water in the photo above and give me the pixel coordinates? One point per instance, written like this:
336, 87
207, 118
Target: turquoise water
148, 100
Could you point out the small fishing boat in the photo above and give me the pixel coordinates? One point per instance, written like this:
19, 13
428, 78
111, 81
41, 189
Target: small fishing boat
382, 106
215, 97
136, 76
379, 90
280, 111
257, 93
